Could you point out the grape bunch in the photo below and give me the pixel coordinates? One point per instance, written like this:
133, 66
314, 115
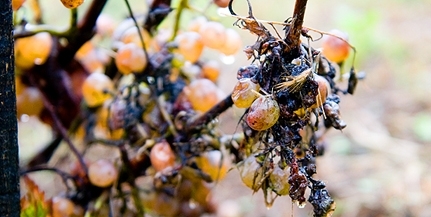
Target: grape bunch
151, 101
291, 98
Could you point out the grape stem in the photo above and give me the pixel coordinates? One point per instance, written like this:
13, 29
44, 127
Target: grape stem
131, 180
64, 175
293, 33
129, 8
195, 123
63, 132
183, 4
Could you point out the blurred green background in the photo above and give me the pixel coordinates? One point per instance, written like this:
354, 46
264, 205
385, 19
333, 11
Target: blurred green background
379, 165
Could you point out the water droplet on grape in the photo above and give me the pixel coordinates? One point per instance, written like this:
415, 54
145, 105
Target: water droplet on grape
25, 118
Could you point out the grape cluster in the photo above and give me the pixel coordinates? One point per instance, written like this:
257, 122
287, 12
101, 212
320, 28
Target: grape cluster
139, 96
290, 97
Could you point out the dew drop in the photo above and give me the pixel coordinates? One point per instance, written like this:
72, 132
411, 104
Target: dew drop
25, 118
38, 61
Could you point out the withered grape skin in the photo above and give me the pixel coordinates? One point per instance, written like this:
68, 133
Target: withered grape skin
263, 114
250, 172
323, 91
278, 180
245, 92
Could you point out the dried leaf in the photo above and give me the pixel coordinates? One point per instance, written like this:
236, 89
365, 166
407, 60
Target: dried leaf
33, 204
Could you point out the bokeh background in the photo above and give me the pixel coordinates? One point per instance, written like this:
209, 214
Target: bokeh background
379, 165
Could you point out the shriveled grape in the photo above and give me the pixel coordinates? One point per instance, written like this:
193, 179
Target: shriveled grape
323, 91
245, 92
251, 172
278, 180
263, 113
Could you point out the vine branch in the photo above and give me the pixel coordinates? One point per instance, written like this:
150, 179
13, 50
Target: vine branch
194, 124
293, 32
85, 32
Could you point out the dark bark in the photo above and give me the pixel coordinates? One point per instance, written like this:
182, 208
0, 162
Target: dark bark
9, 179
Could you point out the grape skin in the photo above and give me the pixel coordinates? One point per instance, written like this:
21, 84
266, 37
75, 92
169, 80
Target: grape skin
244, 93
263, 113
102, 173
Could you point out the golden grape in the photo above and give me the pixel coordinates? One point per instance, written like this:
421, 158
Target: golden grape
96, 89
130, 58
335, 49
190, 45
71, 4
33, 50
